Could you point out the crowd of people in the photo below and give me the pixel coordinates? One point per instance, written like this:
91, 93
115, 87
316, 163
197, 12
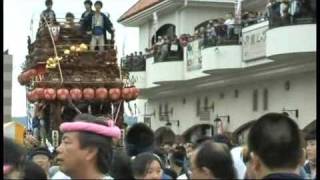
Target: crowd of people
93, 23
287, 12
275, 149
165, 48
134, 62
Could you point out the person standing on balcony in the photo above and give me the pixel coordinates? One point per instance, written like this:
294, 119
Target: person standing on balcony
229, 22
284, 12
48, 14
88, 12
99, 23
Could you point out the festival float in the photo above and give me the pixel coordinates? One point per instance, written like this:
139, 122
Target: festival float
63, 78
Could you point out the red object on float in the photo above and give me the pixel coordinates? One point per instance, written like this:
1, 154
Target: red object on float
88, 94
24, 77
39, 92
62, 94
126, 93
76, 94
50, 94
32, 72
31, 96
115, 94
101, 93
21, 80
136, 92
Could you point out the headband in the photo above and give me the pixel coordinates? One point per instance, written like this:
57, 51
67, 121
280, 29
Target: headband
6, 169
108, 131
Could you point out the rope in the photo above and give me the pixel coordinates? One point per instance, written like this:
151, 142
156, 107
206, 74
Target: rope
54, 47
115, 121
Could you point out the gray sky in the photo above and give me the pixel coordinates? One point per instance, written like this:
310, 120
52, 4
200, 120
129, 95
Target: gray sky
17, 27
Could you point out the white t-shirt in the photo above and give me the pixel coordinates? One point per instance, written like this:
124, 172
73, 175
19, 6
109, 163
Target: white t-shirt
183, 176
60, 175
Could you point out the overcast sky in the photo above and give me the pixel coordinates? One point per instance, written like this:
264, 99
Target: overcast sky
17, 27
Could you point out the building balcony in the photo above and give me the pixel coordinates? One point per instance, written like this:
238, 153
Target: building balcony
291, 42
162, 72
221, 59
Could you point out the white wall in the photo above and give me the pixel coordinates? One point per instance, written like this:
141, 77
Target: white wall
291, 39
193, 16
223, 57
302, 96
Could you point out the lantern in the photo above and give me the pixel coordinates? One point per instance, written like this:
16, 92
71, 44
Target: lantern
101, 93
32, 72
21, 80
88, 94
115, 94
126, 93
135, 92
50, 94
76, 94
62, 94
31, 96
39, 92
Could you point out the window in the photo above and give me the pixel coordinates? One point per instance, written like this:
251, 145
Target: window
206, 104
255, 100
160, 109
236, 93
166, 108
265, 99
198, 106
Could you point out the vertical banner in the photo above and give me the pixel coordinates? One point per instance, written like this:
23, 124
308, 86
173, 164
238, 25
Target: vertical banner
194, 57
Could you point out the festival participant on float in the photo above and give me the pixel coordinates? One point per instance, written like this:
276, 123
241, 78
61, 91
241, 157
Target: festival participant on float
88, 12
85, 151
48, 14
99, 23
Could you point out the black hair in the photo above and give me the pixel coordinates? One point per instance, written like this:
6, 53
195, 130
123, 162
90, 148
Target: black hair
217, 158
88, 2
102, 143
33, 171
276, 139
202, 139
222, 138
13, 153
311, 135
69, 14
142, 162
121, 166
40, 150
49, 2
98, 2
139, 138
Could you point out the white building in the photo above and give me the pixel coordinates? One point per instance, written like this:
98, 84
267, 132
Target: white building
7, 87
272, 70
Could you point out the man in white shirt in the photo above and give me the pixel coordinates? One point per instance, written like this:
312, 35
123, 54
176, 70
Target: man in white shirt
229, 22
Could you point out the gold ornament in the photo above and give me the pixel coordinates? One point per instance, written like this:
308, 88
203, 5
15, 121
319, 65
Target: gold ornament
83, 47
78, 49
73, 48
67, 52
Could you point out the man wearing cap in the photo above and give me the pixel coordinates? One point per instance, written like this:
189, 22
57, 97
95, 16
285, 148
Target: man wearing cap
42, 157
311, 164
98, 24
85, 151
